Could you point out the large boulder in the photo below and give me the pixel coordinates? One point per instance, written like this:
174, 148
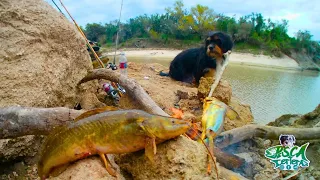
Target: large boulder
42, 56
180, 158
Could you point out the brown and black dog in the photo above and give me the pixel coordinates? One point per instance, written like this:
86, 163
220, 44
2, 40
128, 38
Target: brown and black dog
192, 64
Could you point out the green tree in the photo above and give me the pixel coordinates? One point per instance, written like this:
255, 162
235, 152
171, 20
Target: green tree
227, 24
94, 31
199, 21
259, 23
111, 31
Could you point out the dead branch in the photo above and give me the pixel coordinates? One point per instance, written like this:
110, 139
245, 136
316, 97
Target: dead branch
267, 132
131, 86
19, 121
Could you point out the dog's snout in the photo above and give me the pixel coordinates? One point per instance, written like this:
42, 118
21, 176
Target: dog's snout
211, 48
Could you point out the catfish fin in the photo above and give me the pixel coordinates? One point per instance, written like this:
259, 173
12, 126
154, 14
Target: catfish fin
231, 113
95, 111
58, 170
107, 164
151, 148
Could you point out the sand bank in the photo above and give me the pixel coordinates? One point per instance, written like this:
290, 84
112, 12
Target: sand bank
236, 58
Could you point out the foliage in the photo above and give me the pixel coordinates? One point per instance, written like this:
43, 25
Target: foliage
94, 31
178, 24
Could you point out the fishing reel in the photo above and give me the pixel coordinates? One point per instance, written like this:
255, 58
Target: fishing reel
112, 66
114, 92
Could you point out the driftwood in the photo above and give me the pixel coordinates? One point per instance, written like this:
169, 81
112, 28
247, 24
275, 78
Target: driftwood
267, 132
131, 86
19, 121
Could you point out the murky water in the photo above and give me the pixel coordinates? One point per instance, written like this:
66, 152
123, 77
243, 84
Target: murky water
270, 92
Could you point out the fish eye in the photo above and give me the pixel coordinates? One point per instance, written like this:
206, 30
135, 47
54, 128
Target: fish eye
172, 121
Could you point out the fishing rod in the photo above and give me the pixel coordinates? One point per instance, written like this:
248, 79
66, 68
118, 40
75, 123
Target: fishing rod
81, 32
117, 39
58, 8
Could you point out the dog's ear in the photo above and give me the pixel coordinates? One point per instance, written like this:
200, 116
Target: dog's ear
227, 43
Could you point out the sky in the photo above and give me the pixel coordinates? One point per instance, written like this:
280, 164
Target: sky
302, 14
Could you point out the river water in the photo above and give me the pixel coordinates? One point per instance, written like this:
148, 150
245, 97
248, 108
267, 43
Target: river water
270, 92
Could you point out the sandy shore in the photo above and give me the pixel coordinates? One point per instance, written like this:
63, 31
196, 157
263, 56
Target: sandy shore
235, 58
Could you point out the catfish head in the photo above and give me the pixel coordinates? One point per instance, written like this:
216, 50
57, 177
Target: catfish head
164, 127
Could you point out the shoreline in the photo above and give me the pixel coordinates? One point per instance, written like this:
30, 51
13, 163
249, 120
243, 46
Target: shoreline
245, 59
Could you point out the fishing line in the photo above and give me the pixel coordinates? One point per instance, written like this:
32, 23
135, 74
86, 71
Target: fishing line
58, 8
94, 53
117, 39
214, 162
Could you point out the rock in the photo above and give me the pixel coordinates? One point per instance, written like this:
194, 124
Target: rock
249, 163
190, 105
12, 149
180, 158
244, 112
311, 119
223, 92
182, 94
90, 101
267, 143
89, 169
42, 56
285, 120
